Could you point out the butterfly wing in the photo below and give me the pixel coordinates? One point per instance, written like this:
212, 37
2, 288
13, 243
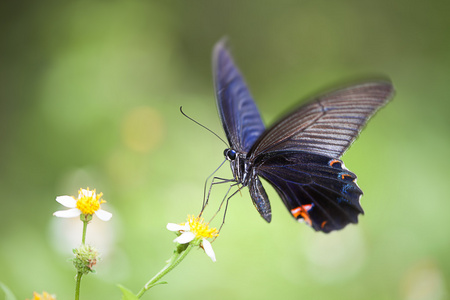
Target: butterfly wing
314, 188
240, 116
328, 124
298, 155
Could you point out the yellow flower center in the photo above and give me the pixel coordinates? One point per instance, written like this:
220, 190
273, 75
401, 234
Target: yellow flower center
201, 229
89, 202
44, 296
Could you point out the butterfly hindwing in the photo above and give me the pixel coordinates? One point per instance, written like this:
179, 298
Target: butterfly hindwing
238, 112
314, 188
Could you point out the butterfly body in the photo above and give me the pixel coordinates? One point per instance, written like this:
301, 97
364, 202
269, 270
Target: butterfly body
299, 154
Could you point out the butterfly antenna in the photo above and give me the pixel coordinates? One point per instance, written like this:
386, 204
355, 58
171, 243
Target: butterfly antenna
181, 110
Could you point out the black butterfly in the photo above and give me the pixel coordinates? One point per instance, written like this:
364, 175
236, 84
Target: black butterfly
299, 154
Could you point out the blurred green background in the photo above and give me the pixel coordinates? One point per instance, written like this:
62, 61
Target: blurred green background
90, 94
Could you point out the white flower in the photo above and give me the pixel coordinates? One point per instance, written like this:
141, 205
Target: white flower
87, 203
195, 230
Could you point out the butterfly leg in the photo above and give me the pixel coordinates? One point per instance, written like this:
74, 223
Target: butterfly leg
214, 181
226, 200
205, 199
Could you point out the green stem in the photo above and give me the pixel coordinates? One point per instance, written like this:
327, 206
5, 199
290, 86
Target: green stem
85, 219
176, 258
83, 239
77, 286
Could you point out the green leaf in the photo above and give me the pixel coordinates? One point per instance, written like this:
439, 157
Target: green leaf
127, 294
8, 294
159, 282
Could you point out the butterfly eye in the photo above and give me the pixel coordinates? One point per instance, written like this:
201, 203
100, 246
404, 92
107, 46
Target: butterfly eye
230, 154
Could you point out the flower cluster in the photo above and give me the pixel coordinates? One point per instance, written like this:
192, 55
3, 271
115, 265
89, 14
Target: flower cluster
192, 233
87, 203
195, 230
44, 296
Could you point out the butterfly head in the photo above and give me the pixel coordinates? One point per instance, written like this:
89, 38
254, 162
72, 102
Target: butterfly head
240, 166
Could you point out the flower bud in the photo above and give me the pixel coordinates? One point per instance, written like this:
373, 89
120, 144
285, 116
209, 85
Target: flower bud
86, 258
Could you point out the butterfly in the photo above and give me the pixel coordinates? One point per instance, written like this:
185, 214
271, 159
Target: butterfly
300, 154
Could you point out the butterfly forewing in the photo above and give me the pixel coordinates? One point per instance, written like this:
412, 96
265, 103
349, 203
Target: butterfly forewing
328, 124
240, 116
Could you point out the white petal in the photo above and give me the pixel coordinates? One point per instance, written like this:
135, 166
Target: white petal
208, 249
67, 201
175, 227
70, 213
185, 238
103, 215
86, 193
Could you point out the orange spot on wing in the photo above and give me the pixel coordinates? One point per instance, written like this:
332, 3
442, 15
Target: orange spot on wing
346, 175
334, 161
323, 224
296, 211
302, 211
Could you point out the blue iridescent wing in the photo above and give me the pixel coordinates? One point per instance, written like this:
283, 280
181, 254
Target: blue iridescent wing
314, 188
240, 116
328, 124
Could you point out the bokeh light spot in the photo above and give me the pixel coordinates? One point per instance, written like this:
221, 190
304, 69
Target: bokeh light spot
142, 129
423, 281
336, 256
